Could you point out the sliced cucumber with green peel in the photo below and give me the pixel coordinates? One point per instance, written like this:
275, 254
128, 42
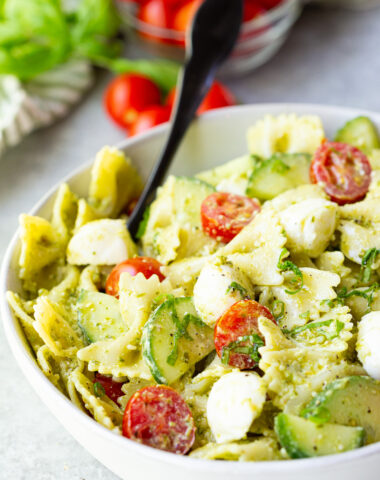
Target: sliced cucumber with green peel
99, 316
353, 401
233, 174
303, 438
174, 339
189, 193
279, 173
361, 133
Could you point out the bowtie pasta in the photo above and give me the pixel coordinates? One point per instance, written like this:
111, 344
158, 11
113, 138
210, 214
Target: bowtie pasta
244, 323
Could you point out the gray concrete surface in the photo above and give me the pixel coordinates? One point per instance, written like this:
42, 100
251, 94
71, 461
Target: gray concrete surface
331, 57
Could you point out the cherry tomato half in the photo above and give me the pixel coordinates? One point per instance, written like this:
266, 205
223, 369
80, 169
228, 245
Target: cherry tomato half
111, 388
224, 215
149, 118
344, 171
218, 96
252, 9
145, 265
158, 416
129, 94
237, 336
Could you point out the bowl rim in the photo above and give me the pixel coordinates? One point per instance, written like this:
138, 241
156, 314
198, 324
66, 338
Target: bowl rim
270, 17
41, 384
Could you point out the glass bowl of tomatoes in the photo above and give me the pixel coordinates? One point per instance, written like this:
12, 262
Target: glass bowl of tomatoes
160, 27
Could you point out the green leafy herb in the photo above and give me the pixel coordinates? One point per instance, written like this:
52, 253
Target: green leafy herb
143, 224
99, 389
278, 310
289, 266
181, 331
38, 35
236, 287
368, 260
317, 326
248, 345
344, 294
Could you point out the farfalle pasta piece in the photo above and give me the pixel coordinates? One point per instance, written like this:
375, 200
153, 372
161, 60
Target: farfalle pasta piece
17, 305
114, 182
64, 213
54, 329
357, 239
102, 408
305, 304
40, 245
262, 449
85, 214
333, 262
285, 134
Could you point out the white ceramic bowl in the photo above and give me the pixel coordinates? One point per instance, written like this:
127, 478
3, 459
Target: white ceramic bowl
215, 138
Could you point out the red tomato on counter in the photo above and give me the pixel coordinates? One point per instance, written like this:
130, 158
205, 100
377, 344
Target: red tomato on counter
158, 416
127, 95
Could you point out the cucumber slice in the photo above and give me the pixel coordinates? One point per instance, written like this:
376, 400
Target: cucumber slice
303, 438
189, 193
349, 401
174, 339
279, 173
99, 316
361, 133
232, 176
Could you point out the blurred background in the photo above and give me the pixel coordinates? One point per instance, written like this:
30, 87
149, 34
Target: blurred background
78, 75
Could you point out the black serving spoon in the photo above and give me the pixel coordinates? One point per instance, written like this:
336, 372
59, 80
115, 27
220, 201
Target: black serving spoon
213, 35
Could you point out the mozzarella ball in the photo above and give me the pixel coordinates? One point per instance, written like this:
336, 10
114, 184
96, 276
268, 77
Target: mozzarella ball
368, 346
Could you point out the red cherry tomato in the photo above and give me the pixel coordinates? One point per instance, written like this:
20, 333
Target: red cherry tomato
185, 14
145, 265
158, 416
224, 215
111, 388
155, 12
149, 118
129, 94
237, 336
344, 171
269, 4
252, 9
218, 96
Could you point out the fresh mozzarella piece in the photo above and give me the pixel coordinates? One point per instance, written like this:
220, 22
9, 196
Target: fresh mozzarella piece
217, 288
234, 402
102, 242
368, 346
309, 225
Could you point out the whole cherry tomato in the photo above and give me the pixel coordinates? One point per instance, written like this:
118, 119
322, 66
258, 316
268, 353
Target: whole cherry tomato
127, 95
224, 215
343, 170
237, 336
185, 14
155, 12
252, 9
159, 417
111, 388
145, 265
218, 96
149, 118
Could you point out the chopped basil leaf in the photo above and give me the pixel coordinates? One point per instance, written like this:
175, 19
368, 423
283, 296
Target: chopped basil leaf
368, 260
339, 326
289, 266
278, 310
236, 287
248, 345
99, 389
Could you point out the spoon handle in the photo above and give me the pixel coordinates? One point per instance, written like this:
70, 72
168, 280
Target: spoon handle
208, 49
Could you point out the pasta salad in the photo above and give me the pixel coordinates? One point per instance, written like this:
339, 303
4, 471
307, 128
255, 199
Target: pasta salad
245, 323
